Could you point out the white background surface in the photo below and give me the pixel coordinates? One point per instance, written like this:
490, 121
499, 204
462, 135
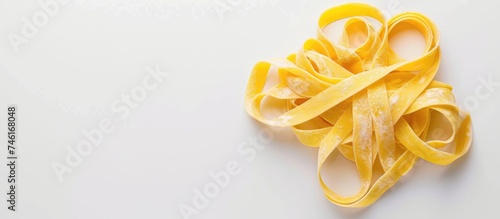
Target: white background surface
65, 79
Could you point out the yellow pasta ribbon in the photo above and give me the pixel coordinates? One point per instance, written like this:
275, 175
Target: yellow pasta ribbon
367, 103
